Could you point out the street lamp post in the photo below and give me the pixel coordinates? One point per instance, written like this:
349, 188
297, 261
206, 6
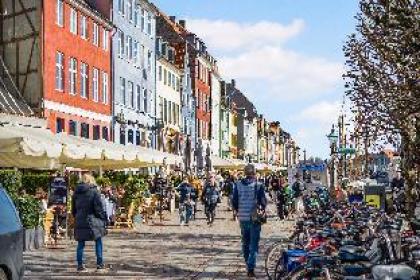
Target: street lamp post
332, 138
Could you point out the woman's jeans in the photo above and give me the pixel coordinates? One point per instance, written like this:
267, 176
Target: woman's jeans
98, 248
186, 211
250, 239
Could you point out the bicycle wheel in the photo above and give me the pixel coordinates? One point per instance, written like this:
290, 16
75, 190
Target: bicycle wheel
274, 253
280, 271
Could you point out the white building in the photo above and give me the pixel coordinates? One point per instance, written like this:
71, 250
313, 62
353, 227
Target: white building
215, 114
168, 91
251, 138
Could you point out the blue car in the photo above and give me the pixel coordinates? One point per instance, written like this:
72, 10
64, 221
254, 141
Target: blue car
11, 240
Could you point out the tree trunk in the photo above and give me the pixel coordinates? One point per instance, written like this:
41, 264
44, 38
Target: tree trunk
408, 168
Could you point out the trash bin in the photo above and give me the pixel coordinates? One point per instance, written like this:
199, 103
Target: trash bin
375, 196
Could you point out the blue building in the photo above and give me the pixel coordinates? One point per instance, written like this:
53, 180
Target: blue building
134, 69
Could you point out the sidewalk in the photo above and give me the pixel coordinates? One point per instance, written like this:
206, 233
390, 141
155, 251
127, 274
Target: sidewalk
161, 251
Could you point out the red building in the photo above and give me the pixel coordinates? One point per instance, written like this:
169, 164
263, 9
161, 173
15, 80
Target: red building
202, 63
64, 63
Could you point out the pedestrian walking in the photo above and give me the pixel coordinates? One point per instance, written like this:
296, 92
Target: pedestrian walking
210, 198
281, 203
90, 220
298, 188
186, 201
249, 201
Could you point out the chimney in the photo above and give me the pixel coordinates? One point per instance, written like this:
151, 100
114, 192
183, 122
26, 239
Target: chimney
172, 18
183, 23
233, 83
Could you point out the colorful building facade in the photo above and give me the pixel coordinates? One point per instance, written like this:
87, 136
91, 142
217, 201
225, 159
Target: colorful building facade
66, 81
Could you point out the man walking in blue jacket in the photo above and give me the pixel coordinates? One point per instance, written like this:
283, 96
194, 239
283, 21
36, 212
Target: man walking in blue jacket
248, 195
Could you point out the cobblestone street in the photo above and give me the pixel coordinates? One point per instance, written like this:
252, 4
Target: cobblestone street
161, 251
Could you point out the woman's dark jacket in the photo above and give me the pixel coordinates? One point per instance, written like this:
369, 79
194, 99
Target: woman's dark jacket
89, 213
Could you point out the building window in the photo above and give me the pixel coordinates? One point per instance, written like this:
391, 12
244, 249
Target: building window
129, 48
176, 114
84, 79
105, 39
60, 13
60, 122
121, 7
72, 128
59, 71
105, 135
105, 88
122, 90
96, 132
95, 34
84, 28
130, 86
145, 101
173, 81
130, 10
120, 44
138, 138
149, 61
138, 97
135, 52
73, 21
95, 85
149, 24
136, 16
84, 130
122, 135
143, 55
165, 110
130, 136
143, 20
160, 73
73, 75
169, 78
169, 112
165, 77
161, 108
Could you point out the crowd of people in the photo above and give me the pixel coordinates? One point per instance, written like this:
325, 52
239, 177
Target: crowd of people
246, 191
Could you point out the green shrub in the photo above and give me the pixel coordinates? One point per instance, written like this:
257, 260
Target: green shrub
12, 182
116, 178
136, 188
29, 211
31, 182
103, 181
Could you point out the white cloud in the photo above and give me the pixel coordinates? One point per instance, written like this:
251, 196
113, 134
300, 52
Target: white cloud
288, 73
324, 113
279, 79
229, 35
313, 124
255, 53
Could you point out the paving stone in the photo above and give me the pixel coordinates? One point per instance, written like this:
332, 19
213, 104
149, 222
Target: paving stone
161, 251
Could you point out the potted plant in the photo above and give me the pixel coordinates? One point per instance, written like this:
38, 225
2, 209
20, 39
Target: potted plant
29, 213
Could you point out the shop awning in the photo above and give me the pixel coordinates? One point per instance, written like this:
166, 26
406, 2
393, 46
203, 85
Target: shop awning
23, 146
220, 163
27, 147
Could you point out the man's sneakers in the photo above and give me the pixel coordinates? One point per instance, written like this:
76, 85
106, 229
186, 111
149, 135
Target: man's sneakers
251, 274
81, 269
101, 269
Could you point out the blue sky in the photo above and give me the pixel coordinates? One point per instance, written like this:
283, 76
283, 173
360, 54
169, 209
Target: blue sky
286, 55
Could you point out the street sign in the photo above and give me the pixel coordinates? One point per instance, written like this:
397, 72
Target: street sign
312, 167
346, 151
